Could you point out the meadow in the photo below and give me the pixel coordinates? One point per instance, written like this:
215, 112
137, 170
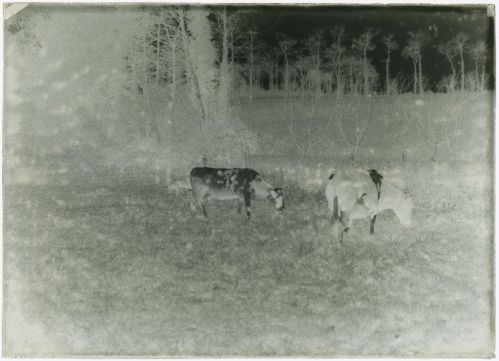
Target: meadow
124, 268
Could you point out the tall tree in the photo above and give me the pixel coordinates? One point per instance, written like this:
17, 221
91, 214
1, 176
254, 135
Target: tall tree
414, 50
390, 45
252, 35
314, 46
223, 30
478, 52
268, 62
363, 44
459, 42
354, 72
411, 51
200, 57
421, 38
450, 52
286, 44
336, 52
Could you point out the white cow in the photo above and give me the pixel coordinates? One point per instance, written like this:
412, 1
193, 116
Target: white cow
357, 194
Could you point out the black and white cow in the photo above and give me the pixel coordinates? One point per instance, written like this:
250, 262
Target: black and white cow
243, 184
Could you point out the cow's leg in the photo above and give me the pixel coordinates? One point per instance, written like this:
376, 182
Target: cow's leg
202, 203
371, 228
194, 200
247, 203
240, 203
203, 207
337, 229
345, 223
335, 216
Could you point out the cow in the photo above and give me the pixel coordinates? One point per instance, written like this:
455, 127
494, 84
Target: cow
243, 184
357, 194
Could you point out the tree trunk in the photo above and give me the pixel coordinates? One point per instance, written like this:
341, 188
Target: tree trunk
388, 71
462, 68
453, 68
350, 80
421, 90
192, 72
174, 66
318, 56
415, 86
286, 75
271, 76
232, 47
277, 74
224, 77
225, 47
158, 25
338, 76
366, 83
477, 80
251, 66
482, 82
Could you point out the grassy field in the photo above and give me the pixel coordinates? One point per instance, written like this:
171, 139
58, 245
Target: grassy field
131, 271
460, 124
100, 259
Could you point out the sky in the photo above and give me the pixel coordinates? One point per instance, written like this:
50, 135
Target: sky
441, 22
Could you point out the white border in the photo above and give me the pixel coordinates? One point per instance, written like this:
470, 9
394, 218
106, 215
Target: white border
265, 2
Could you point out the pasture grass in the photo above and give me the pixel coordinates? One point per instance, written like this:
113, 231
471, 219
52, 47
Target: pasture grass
132, 271
128, 270
304, 127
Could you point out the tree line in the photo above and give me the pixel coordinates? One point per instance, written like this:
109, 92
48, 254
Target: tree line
325, 61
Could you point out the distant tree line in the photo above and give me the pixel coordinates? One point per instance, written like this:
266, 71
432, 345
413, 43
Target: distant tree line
326, 61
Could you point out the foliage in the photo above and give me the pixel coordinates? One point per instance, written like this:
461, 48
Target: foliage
122, 101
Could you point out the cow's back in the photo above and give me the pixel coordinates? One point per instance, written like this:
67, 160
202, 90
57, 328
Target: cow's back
222, 180
202, 172
349, 186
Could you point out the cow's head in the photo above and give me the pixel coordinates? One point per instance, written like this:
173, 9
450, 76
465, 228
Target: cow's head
276, 197
262, 190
